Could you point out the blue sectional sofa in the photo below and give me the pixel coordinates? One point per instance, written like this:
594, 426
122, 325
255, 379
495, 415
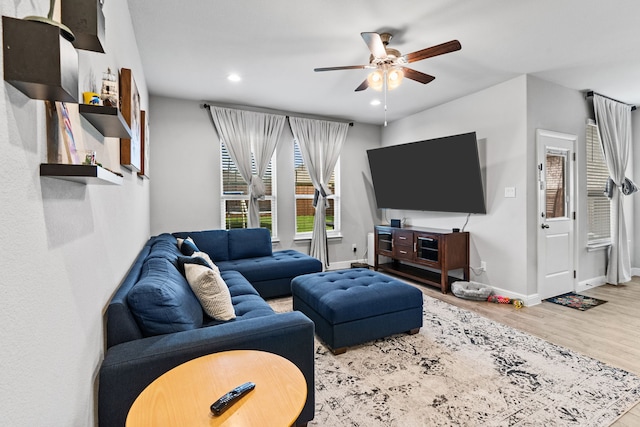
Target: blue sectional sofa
154, 321
248, 251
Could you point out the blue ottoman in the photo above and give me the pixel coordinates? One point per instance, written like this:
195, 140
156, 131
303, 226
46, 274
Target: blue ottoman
354, 306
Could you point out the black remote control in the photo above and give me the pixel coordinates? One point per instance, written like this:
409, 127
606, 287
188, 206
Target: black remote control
222, 404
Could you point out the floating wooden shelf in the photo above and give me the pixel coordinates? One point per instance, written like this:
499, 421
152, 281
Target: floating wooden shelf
39, 61
86, 19
109, 121
84, 174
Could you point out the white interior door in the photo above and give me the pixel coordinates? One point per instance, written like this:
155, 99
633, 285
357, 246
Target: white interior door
556, 217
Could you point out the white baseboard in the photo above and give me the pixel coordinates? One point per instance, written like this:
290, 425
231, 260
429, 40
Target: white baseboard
591, 283
341, 265
635, 271
528, 300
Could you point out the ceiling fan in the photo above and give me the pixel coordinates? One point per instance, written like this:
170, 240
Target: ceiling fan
389, 65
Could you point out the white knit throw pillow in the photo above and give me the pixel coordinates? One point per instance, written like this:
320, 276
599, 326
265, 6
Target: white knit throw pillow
211, 290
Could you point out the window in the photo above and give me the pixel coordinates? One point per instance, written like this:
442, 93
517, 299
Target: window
304, 199
557, 205
235, 196
598, 205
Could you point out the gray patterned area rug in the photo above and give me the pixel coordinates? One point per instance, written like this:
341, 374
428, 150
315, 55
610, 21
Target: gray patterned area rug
465, 370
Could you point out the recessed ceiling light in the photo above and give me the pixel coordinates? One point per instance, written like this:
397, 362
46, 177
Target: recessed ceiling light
375, 102
234, 77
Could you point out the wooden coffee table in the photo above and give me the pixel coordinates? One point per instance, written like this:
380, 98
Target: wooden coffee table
183, 395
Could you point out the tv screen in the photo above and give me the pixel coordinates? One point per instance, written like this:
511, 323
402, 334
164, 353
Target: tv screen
440, 174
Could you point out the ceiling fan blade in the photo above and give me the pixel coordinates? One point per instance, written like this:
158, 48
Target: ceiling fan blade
375, 45
417, 75
429, 52
346, 67
363, 85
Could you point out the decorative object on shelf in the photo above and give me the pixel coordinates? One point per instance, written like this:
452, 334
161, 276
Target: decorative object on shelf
91, 98
64, 30
144, 139
39, 60
67, 133
130, 147
64, 142
86, 19
89, 158
109, 90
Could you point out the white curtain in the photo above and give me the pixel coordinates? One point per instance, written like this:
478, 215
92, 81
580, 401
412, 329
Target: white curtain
320, 143
245, 133
614, 125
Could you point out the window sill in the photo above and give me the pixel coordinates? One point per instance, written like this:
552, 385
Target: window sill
303, 238
598, 246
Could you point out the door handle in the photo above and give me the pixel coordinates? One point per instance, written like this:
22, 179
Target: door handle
545, 226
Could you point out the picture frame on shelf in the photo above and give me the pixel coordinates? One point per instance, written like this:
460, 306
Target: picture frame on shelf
144, 149
65, 144
130, 148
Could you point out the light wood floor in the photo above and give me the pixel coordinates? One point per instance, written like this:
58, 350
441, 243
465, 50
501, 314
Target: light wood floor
609, 332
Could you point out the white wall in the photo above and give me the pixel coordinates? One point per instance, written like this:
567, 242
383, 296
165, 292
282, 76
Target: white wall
498, 116
66, 247
556, 108
505, 118
560, 109
634, 174
185, 182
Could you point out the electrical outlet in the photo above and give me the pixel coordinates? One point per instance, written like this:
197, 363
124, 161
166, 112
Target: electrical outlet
483, 265
354, 248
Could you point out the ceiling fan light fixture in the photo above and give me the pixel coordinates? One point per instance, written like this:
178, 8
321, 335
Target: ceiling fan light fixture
376, 80
394, 78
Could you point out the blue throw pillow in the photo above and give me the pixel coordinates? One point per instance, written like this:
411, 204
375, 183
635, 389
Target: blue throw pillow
188, 247
162, 301
182, 260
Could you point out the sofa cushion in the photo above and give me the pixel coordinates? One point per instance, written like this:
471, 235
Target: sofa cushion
282, 264
162, 301
213, 242
249, 243
247, 303
165, 247
211, 291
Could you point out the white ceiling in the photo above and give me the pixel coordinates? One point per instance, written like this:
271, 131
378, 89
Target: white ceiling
188, 48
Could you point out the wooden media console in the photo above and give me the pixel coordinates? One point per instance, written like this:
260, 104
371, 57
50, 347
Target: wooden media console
425, 255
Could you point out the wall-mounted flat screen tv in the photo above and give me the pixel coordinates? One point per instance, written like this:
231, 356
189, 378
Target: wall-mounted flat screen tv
440, 175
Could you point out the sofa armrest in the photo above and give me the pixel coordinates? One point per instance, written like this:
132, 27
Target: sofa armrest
129, 367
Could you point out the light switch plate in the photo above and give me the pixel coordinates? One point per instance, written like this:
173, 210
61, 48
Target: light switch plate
510, 192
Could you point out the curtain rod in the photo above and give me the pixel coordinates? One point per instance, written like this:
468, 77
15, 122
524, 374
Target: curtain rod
591, 93
208, 107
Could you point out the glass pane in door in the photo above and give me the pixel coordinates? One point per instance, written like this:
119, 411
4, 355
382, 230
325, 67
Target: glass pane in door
556, 179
